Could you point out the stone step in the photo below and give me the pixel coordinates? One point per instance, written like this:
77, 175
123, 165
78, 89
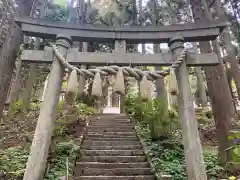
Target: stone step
110, 129
89, 147
111, 126
147, 177
101, 135
113, 172
108, 123
104, 130
113, 133
109, 143
101, 120
112, 152
111, 165
113, 159
132, 138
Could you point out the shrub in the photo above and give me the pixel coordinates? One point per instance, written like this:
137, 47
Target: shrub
154, 113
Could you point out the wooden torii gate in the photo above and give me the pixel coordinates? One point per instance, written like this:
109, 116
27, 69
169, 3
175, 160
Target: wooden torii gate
174, 35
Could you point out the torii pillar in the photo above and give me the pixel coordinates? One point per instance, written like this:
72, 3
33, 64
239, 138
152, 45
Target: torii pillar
120, 47
43, 133
191, 140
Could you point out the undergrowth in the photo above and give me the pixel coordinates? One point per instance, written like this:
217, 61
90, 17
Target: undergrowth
167, 152
168, 156
63, 161
17, 130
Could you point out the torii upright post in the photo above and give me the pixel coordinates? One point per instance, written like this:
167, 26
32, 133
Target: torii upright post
192, 145
120, 47
42, 138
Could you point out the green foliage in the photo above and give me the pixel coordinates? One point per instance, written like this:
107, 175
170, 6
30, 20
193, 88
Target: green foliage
115, 12
65, 148
56, 12
35, 106
85, 99
17, 132
168, 156
83, 109
235, 138
60, 128
154, 113
13, 162
17, 108
60, 105
65, 153
133, 106
214, 169
159, 120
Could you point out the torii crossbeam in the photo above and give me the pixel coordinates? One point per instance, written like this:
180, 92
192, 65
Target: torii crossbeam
121, 59
191, 32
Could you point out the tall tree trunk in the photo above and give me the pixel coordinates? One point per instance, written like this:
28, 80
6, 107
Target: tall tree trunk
201, 90
9, 53
200, 82
134, 17
159, 83
7, 62
15, 89
201, 87
29, 85
173, 99
218, 89
230, 78
31, 79
234, 65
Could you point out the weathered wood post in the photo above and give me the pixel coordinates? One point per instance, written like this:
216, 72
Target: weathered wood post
192, 145
42, 138
110, 96
104, 99
120, 47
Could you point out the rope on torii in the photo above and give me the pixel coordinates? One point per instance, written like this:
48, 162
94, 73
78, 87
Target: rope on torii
145, 76
127, 70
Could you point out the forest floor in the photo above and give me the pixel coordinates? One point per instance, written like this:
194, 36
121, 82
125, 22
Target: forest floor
17, 130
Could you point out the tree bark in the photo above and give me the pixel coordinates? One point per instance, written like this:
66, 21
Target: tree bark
230, 78
201, 87
201, 96
200, 82
7, 62
234, 65
173, 99
9, 52
218, 88
159, 83
29, 85
15, 89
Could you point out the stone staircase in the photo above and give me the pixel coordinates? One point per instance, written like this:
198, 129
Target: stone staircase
112, 151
